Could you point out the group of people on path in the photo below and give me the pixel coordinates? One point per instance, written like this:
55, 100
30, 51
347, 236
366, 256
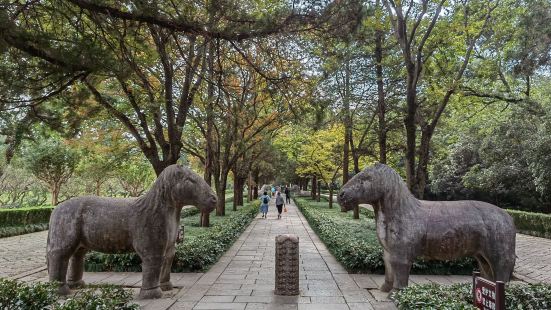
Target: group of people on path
280, 202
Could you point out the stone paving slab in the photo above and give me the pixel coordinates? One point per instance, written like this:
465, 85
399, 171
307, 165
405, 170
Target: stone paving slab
533, 262
23, 253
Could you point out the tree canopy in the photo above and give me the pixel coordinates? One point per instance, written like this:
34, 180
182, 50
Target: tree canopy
453, 94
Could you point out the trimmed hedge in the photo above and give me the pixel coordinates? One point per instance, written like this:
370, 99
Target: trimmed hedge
38, 296
25, 216
529, 223
21, 230
197, 252
355, 245
21, 221
459, 296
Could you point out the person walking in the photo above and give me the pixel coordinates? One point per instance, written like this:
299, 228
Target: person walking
279, 204
287, 195
264, 200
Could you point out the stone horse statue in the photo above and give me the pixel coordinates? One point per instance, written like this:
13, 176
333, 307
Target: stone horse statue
440, 230
147, 225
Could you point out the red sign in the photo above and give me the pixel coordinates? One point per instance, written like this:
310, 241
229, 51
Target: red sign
488, 295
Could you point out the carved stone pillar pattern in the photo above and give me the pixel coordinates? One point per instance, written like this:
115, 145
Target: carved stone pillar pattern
287, 265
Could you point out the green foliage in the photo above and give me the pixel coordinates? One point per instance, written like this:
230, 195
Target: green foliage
434, 296
355, 245
202, 246
459, 296
22, 296
25, 216
135, 176
320, 154
505, 162
535, 224
191, 211
51, 161
19, 188
104, 297
19, 295
21, 230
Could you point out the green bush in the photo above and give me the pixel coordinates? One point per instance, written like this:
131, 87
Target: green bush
535, 224
25, 216
201, 247
355, 245
16, 295
189, 212
103, 297
459, 296
21, 230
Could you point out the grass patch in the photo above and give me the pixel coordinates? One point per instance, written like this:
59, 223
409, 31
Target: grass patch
459, 296
355, 245
201, 248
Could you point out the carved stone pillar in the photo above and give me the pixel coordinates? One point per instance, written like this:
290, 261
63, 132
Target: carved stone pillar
287, 265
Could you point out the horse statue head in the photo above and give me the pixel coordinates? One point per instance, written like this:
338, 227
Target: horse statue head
369, 186
181, 186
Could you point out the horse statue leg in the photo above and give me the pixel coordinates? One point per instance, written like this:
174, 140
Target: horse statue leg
58, 261
76, 269
389, 274
151, 271
401, 266
166, 285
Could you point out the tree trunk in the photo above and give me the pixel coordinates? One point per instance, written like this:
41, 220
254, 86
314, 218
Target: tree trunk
347, 124
209, 109
160, 165
357, 212
238, 186
256, 182
314, 187
55, 194
381, 107
356, 164
98, 188
346, 154
205, 219
319, 192
207, 175
221, 194
250, 188
410, 126
422, 166
330, 197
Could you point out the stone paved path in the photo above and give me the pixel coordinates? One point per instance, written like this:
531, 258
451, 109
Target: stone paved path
533, 259
22, 254
244, 277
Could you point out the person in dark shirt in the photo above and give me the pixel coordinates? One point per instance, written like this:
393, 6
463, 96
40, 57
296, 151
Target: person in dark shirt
287, 195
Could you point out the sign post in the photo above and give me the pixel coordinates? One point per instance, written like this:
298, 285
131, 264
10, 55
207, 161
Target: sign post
488, 295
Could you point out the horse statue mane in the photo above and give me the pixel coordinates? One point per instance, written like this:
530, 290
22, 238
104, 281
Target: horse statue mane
161, 192
391, 182
408, 228
147, 225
